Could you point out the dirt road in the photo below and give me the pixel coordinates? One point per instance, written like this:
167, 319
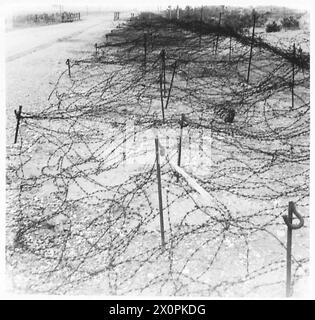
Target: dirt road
36, 56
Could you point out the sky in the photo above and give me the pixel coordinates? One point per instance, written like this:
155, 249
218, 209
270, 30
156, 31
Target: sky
15, 5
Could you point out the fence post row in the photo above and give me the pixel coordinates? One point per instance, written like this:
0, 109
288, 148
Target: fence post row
158, 174
18, 119
290, 226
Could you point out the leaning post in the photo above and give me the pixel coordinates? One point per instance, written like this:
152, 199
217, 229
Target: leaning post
251, 47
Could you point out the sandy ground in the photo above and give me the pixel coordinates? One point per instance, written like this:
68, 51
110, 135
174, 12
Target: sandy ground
36, 56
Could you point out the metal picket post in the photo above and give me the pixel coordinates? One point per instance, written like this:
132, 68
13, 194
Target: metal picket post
288, 221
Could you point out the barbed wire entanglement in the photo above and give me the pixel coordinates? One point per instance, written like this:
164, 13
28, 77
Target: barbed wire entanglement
85, 214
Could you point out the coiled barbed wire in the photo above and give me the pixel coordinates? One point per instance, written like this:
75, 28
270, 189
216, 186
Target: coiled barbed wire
84, 213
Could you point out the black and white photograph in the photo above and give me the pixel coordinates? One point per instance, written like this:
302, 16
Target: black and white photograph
156, 149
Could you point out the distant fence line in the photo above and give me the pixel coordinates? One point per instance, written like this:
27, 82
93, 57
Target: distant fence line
45, 18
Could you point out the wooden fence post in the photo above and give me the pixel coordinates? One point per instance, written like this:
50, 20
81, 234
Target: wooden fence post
201, 145
18, 119
145, 40
163, 53
151, 39
217, 40
162, 74
189, 147
180, 144
124, 143
158, 174
293, 70
162, 102
171, 84
68, 64
301, 59
251, 47
230, 48
201, 18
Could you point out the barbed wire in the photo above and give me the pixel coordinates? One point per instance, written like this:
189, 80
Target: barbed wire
83, 215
